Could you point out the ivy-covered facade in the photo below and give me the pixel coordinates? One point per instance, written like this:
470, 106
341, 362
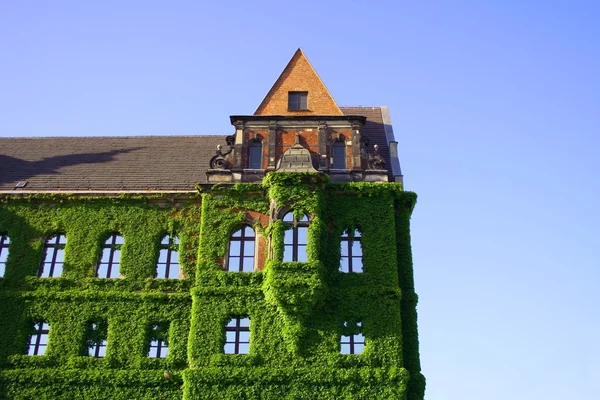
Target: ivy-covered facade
266, 283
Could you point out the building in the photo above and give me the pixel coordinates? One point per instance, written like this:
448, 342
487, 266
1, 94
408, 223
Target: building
274, 263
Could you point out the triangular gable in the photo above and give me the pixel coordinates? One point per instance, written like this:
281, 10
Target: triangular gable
298, 76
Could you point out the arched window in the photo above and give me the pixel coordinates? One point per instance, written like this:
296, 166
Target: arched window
338, 154
255, 154
108, 266
54, 256
168, 258
4, 244
351, 260
242, 245
296, 238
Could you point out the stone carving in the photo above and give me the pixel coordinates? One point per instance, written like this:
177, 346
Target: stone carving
376, 161
218, 161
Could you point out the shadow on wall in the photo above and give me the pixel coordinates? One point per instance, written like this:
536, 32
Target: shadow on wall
14, 169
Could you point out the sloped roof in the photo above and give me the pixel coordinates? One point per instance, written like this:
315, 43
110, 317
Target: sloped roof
140, 163
132, 163
298, 76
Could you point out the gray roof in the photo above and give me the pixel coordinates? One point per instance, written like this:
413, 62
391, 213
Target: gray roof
131, 163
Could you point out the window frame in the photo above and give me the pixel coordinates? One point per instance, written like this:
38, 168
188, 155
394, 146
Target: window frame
114, 247
294, 226
237, 328
53, 242
298, 101
243, 242
171, 247
40, 330
347, 240
4, 252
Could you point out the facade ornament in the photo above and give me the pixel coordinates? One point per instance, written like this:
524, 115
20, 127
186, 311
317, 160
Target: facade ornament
218, 161
376, 161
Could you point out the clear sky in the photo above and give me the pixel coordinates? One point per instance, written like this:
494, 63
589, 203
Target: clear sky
495, 104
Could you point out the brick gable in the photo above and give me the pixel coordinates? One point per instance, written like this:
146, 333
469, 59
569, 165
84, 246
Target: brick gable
299, 76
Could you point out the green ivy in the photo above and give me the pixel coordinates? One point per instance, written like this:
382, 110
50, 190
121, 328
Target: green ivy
297, 309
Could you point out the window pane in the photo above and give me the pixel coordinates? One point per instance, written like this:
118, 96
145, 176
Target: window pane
174, 257
289, 217
229, 348
60, 255
344, 249
304, 218
62, 239
244, 337
102, 349
302, 235
161, 271
162, 256
232, 322
356, 249
249, 248
248, 264
288, 236
357, 265
234, 264
164, 352
58, 270
2, 269
248, 232
105, 255
344, 264
288, 253
244, 348
153, 352
303, 100
345, 348
165, 240
3, 255
356, 233
302, 256
102, 271
237, 233
175, 240
119, 239
358, 348
174, 271
230, 336
234, 248
245, 322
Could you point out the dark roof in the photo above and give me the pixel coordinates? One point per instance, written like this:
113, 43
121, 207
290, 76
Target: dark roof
132, 163
107, 163
374, 129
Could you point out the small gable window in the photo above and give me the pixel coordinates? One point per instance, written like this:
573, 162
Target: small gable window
54, 256
295, 238
108, 267
96, 338
338, 150
4, 244
241, 250
38, 339
237, 336
158, 347
255, 154
351, 260
297, 101
352, 341
168, 258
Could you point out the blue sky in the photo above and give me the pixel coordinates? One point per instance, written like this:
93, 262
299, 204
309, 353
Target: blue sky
495, 105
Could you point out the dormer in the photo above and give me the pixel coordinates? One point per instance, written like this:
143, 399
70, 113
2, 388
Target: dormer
298, 127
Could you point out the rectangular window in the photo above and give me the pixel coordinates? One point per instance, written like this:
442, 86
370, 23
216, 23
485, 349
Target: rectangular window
38, 340
352, 343
237, 336
4, 244
96, 338
297, 101
168, 258
158, 347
